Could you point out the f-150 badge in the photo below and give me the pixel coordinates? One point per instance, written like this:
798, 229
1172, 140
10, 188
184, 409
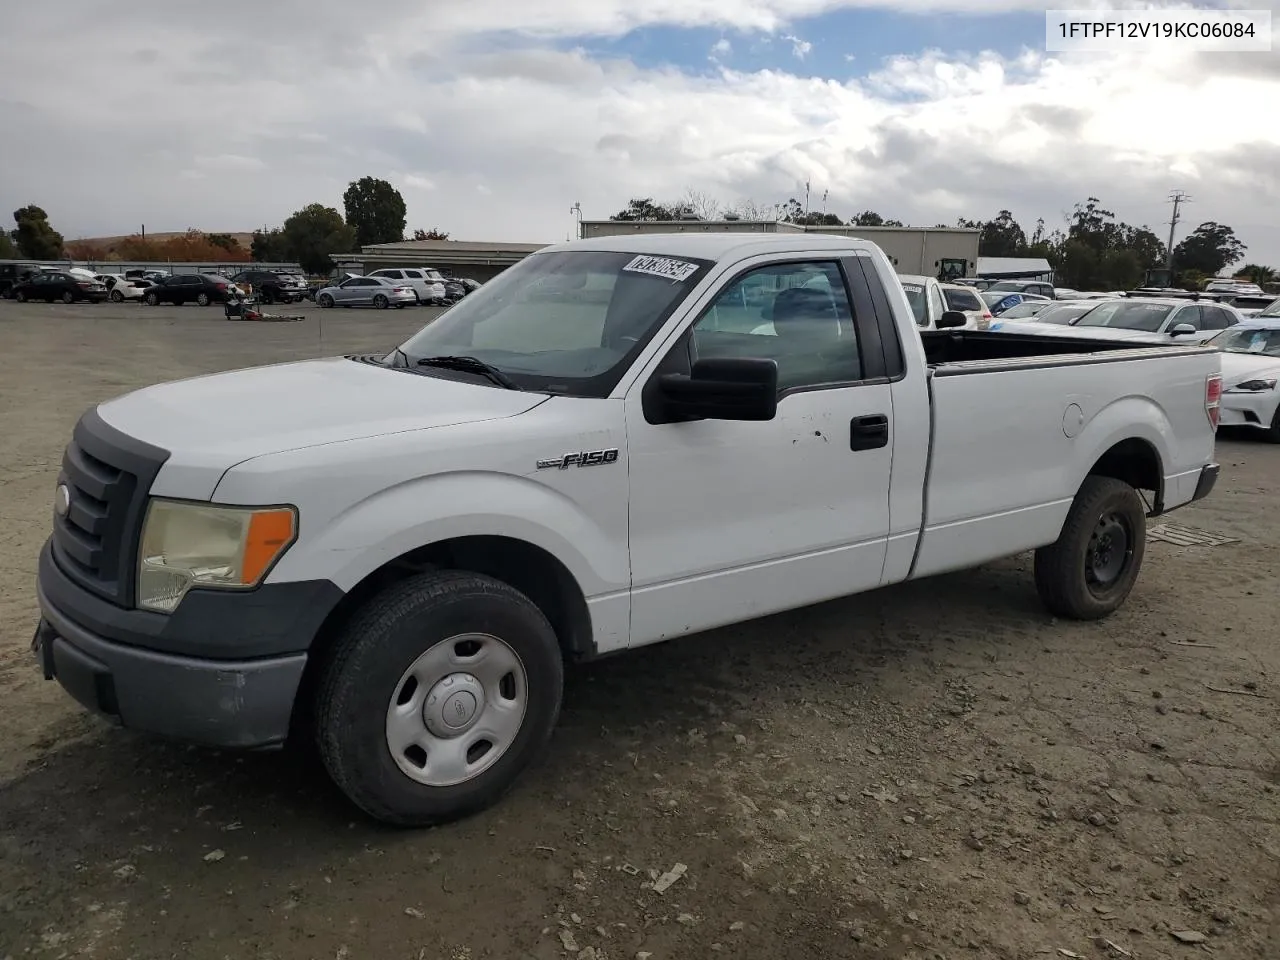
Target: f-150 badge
584, 458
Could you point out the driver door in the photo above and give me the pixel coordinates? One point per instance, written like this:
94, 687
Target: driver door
731, 520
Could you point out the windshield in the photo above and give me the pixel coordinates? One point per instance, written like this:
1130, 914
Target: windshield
961, 299
1028, 308
1007, 285
1272, 309
1126, 315
916, 297
564, 322
1060, 313
1245, 340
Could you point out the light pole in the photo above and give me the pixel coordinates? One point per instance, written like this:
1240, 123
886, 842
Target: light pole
576, 209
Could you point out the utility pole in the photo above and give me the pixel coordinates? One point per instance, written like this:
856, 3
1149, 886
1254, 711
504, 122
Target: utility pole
1177, 198
806, 202
576, 209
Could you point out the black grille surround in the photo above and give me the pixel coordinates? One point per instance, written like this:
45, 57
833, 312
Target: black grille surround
109, 475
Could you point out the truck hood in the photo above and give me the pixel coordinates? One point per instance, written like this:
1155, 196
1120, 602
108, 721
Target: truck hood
1239, 367
211, 423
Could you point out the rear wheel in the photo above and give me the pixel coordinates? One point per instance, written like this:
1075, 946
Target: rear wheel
117, 296
1090, 570
438, 695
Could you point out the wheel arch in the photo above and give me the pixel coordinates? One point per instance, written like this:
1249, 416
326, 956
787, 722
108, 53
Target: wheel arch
1137, 462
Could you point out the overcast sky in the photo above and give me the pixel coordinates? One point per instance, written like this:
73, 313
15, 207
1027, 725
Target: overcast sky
494, 116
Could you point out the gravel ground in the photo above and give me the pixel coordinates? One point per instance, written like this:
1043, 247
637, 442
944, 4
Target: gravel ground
938, 770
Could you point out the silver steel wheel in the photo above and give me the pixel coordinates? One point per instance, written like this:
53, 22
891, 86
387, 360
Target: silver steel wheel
457, 709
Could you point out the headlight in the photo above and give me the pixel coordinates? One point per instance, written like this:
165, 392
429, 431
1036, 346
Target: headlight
1252, 386
187, 545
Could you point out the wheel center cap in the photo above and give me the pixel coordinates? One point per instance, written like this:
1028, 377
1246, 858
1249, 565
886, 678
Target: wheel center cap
453, 705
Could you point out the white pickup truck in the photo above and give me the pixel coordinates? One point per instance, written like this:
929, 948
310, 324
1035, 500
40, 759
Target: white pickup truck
609, 445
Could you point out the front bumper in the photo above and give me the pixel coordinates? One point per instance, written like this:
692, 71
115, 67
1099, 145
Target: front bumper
156, 674
1247, 409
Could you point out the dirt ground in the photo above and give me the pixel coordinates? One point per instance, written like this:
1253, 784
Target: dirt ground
935, 771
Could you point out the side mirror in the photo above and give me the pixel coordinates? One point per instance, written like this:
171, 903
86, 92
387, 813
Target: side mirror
951, 319
725, 388
1182, 330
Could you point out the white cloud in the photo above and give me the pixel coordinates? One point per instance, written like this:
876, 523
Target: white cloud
721, 48
799, 48
428, 101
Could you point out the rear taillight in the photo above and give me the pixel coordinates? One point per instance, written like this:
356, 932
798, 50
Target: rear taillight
84, 284
221, 286
1213, 399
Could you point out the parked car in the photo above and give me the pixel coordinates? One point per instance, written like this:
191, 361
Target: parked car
272, 286
1186, 321
1251, 375
1040, 288
120, 289
929, 301
151, 276
471, 285
52, 285
13, 273
967, 300
1062, 312
1238, 288
379, 292
201, 288
998, 301
428, 285
397, 561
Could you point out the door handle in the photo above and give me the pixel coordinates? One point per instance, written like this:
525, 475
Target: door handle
869, 433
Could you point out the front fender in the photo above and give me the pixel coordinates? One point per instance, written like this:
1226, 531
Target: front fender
427, 510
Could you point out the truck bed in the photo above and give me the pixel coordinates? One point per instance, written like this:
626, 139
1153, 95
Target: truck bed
947, 347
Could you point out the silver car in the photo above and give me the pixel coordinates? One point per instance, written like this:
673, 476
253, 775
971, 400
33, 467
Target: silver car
367, 292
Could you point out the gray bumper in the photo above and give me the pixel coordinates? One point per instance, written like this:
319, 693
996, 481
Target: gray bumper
232, 703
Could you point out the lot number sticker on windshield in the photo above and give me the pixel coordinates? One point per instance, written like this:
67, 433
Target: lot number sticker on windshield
668, 269
912, 287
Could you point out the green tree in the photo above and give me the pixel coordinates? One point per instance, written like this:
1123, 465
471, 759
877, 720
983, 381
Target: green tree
35, 238
432, 234
1256, 273
269, 246
1210, 248
867, 218
1149, 249
8, 249
1002, 237
223, 240
313, 233
375, 210
644, 209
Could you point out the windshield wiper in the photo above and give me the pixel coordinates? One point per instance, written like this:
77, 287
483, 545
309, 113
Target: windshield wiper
472, 365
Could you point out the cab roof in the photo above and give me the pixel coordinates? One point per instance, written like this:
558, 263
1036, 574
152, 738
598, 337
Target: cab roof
715, 246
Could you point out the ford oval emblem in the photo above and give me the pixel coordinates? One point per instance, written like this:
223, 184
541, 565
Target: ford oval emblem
62, 500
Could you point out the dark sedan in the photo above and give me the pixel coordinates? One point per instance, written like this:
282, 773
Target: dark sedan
201, 288
51, 286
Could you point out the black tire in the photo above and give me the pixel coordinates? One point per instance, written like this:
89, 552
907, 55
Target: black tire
1273, 432
20, 296
363, 672
117, 296
325, 300
268, 299
151, 300
203, 299
68, 297
1089, 571
381, 301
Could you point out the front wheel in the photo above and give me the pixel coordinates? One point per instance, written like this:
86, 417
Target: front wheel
325, 300
151, 300
203, 299
68, 297
1091, 568
21, 296
438, 695
381, 302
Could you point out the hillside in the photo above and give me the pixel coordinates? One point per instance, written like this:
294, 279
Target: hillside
244, 239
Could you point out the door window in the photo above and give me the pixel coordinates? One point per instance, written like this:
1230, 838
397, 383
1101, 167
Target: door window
797, 314
1214, 318
937, 305
1189, 315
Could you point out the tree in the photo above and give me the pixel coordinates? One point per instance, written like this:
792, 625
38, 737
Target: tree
1149, 249
747, 209
699, 204
1210, 248
1256, 273
35, 238
1002, 237
432, 234
224, 241
867, 218
8, 249
644, 209
313, 233
893, 223
269, 246
375, 210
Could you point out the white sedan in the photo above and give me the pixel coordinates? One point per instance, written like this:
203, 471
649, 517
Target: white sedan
1250, 374
122, 289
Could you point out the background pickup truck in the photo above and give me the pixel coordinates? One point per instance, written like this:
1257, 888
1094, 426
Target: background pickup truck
613, 443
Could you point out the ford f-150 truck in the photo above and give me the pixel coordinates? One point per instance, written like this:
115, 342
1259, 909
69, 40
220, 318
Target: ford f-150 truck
615, 442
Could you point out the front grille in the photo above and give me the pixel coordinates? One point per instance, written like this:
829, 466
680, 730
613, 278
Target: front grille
108, 476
